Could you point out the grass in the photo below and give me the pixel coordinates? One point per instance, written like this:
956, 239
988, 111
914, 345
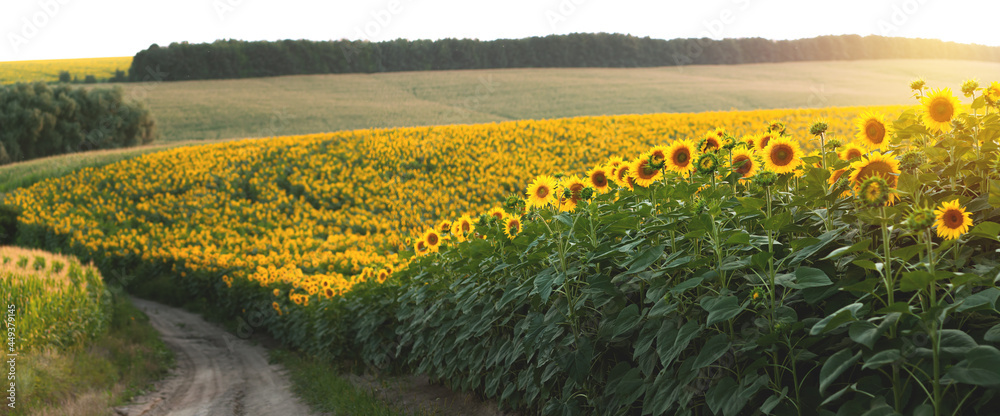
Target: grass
218, 109
90, 379
48, 70
319, 385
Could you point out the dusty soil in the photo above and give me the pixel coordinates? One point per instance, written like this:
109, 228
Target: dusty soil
416, 394
217, 373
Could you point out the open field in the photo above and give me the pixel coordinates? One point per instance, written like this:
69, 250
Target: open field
195, 110
48, 70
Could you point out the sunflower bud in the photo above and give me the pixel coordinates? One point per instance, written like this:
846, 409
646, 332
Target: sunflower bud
912, 160
920, 219
707, 163
833, 144
765, 179
728, 142
969, 87
918, 84
484, 220
874, 192
818, 128
776, 127
757, 296
587, 193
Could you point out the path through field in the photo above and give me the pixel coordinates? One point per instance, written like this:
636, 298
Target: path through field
217, 373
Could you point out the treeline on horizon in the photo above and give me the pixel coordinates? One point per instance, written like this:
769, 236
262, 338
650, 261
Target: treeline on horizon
225, 59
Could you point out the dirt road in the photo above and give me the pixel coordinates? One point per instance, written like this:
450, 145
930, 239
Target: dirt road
217, 373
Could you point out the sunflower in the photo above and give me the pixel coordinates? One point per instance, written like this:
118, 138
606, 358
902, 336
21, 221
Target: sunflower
836, 176
782, 155
657, 156
680, 156
444, 227
542, 191
874, 191
512, 226
777, 127
574, 187
940, 107
851, 151
420, 247
497, 213
707, 163
643, 171
992, 93
710, 143
873, 132
750, 140
745, 163
461, 227
598, 178
615, 162
623, 178
762, 140
432, 239
952, 220
876, 164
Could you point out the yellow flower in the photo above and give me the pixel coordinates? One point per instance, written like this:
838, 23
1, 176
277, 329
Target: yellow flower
872, 130
623, 178
762, 140
851, 151
745, 163
542, 191
444, 226
952, 220
992, 93
782, 155
876, 164
512, 226
643, 172
680, 156
432, 239
575, 186
497, 212
940, 107
598, 178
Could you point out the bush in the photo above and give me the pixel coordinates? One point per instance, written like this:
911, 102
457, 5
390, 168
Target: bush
8, 224
65, 77
38, 120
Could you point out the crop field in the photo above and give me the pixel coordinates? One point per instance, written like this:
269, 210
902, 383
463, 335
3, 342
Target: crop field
781, 261
48, 70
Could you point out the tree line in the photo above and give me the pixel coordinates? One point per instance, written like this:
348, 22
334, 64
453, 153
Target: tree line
224, 59
38, 120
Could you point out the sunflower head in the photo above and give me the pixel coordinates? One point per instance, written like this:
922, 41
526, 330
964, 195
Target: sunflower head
818, 128
912, 160
623, 178
745, 163
939, 108
873, 131
776, 127
782, 155
707, 163
573, 188
728, 142
833, 144
952, 220
598, 179
757, 296
851, 152
918, 84
992, 93
920, 219
765, 179
709, 143
496, 213
657, 156
762, 140
681, 156
512, 226
643, 171
874, 192
970, 86
542, 191
432, 239
444, 227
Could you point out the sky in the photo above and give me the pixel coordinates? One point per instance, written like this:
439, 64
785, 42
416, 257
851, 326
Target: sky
62, 29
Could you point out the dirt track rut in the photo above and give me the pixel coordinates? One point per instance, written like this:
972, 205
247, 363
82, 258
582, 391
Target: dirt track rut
217, 373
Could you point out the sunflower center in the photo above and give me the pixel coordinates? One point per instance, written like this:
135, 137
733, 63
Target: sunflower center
742, 164
853, 153
542, 192
875, 131
764, 141
432, 239
681, 157
647, 171
599, 180
781, 155
878, 168
941, 110
953, 219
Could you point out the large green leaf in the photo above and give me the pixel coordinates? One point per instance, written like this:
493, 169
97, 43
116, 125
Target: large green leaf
803, 278
915, 280
627, 319
721, 308
645, 258
836, 365
713, 349
835, 320
881, 358
993, 335
986, 229
981, 367
856, 247
985, 299
864, 333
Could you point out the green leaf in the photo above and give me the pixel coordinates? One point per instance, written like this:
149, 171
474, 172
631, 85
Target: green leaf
864, 333
643, 260
806, 251
627, 319
915, 280
806, 277
721, 308
720, 393
882, 358
777, 221
985, 299
543, 283
856, 247
993, 335
668, 351
833, 321
773, 401
713, 349
740, 237
956, 342
686, 285
981, 367
986, 229
834, 366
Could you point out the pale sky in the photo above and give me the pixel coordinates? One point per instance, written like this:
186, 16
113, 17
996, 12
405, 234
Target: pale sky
57, 29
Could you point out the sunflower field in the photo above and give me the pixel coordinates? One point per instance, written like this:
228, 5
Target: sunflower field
57, 300
12, 72
773, 261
